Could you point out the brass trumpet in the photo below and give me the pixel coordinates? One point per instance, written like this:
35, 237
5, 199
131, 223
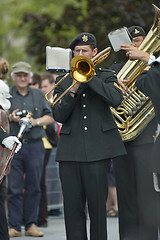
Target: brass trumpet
82, 70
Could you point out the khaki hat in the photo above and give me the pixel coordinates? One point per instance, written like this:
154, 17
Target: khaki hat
21, 67
4, 94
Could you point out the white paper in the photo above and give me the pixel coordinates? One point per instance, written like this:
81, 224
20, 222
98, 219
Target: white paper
58, 58
119, 37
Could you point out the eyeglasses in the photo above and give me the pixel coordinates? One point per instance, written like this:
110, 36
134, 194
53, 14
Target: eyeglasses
34, 83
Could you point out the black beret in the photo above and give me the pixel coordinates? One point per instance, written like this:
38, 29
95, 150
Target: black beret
83, 39
136, 31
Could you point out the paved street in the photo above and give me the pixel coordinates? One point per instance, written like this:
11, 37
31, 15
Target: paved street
56, 231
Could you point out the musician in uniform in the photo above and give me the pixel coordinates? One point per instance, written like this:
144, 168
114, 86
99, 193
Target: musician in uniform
89, 138
148, 83
136, 196
6, 143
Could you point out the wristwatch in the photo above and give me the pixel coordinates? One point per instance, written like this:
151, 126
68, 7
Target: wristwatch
75, 93
37, 122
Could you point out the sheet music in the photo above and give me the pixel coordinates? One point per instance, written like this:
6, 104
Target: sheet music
119, 37
58, 58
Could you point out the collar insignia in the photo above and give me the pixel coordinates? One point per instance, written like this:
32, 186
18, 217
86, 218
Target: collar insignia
136, 31
147, 68
85, 38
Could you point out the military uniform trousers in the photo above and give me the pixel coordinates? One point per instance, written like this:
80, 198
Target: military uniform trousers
136, 196
85, 182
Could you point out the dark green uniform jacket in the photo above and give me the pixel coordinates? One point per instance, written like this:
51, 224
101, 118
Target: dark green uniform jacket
89, 132
149, 83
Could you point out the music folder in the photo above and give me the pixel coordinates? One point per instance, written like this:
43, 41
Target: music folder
58, 58
119, 37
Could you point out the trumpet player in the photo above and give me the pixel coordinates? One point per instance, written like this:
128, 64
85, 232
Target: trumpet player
88, 140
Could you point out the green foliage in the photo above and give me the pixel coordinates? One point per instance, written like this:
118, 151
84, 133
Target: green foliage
27, 27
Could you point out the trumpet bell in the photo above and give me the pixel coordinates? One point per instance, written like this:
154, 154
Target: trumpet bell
82, 69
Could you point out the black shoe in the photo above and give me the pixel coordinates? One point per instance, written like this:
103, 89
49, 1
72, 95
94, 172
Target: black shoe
43, 224
54, 212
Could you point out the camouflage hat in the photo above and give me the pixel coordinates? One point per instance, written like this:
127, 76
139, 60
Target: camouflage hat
136, 31
21, 67
83, 39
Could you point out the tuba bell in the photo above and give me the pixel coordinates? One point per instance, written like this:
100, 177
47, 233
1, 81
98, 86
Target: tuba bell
136, 109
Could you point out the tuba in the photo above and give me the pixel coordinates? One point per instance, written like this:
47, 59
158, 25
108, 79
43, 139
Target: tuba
136, 109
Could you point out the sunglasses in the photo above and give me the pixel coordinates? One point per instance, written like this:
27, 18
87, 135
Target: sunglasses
32, 84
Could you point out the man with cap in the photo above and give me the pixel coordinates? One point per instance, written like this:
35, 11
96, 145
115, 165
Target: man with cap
29, 160
136, 197
138, 34
87, 143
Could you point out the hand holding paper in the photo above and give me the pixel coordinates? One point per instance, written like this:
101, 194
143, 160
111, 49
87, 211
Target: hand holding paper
119, 37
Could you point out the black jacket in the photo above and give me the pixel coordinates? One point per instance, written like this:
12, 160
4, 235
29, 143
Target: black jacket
149, 84
89, 132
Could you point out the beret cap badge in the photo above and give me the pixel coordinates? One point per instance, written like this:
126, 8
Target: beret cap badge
82, 39
136, 31
85, 38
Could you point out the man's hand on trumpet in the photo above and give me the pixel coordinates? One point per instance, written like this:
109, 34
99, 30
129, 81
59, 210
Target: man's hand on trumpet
73, 90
